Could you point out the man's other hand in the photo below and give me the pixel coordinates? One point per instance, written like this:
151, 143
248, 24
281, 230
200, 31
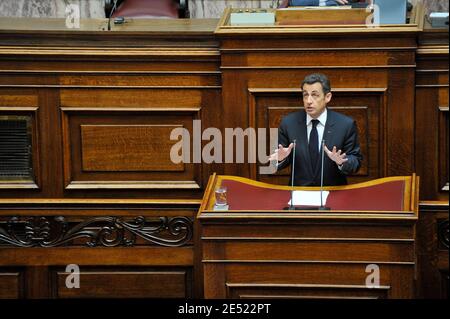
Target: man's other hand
336, 156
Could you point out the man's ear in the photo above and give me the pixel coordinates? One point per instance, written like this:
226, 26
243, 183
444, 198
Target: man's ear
328, 97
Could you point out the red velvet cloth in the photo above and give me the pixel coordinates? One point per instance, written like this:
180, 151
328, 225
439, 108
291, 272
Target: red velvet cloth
385, 197
147, 9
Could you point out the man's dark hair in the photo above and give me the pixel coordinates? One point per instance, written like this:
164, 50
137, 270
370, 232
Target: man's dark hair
318, 78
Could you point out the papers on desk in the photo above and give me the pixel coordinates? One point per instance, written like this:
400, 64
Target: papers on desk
309, 198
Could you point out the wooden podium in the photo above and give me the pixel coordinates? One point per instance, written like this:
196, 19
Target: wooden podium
258, 250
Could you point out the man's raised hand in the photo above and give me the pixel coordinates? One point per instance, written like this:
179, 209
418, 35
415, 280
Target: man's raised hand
336, 156
281, 153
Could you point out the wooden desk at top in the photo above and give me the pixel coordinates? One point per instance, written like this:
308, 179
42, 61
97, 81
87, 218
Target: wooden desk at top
258, 250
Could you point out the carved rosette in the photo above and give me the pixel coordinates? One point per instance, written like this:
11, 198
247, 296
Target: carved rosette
98, 231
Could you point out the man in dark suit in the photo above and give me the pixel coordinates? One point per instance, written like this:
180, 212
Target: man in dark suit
311, 126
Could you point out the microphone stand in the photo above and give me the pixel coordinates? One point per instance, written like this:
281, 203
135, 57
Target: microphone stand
291, 206
321, 178
111, 13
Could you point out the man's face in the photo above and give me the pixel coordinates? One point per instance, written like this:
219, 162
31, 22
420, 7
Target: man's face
314, 100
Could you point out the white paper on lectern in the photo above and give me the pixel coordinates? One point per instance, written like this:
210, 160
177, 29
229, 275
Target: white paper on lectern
309, 198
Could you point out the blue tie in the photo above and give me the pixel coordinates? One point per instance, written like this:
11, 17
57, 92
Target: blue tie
314, 145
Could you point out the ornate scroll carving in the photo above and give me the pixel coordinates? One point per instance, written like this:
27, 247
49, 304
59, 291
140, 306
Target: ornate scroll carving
40, 231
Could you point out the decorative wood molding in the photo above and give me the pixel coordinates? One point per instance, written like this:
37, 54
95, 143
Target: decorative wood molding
299, 90
318, 49
274, 285
109, 72
433, 50
39, 202
40, 231
133, 185
432, 86
432, 71
443, 140
68, 108
93, 52
293, 67
18, 185
300, 239
288, 261
53, 86
18, 109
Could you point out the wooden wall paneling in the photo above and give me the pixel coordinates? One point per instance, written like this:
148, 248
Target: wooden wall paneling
18, 98
177, 68
283, 273
129, 282
244, 256
235, 113
164, 260
11, 283
400, 119
37, 285
129, 138
46, 137
431, 119
86, 66
131, 97
432, 250
443, 157
52, 133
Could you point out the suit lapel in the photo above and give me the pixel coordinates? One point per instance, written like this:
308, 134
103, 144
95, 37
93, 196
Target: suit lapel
329, 127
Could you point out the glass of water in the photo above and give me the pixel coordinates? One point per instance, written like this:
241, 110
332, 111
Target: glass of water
221, 196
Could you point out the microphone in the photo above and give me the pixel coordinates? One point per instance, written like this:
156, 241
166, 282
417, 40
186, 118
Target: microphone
321, 178
291, 206
111, 13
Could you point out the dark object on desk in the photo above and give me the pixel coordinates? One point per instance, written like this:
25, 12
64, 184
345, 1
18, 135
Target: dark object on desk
409, 6
119, 20
359, 5
148, 9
